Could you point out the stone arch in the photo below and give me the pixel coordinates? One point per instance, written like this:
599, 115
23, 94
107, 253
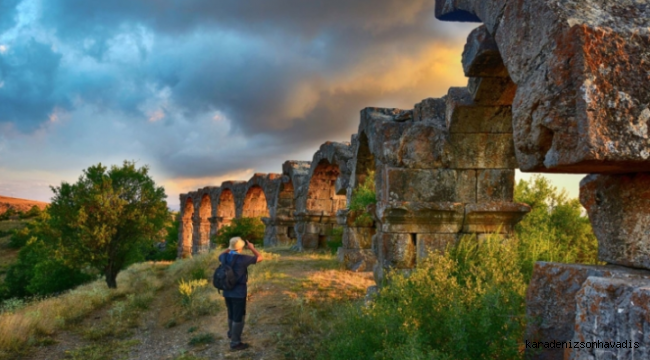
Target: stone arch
255, 203
322, 196
204, 214
187, 228
226, 208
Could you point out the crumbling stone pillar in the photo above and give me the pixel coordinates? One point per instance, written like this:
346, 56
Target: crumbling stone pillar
202, 224
186, 230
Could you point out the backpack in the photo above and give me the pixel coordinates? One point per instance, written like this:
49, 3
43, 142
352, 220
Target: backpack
224, 277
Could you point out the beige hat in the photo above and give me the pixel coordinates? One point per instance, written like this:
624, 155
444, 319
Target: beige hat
237, 243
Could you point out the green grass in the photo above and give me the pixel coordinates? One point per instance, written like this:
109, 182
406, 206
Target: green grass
202, 339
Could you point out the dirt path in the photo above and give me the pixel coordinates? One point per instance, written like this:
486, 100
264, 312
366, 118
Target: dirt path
277, 290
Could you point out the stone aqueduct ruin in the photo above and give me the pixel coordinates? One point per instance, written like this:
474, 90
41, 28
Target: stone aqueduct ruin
556, 86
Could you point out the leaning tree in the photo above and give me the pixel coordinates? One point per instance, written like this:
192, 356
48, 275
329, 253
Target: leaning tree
108, 219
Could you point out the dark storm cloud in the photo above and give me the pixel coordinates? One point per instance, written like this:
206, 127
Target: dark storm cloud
29, 74
285, 74
304, 17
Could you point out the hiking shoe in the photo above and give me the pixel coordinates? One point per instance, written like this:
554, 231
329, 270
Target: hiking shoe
240, 346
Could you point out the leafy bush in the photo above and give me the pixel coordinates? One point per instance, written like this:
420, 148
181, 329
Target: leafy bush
363, 196
202, 339
171, 241
11, 212
37, 272
196, 298
251, 229
35, 211
467, 304
335, 239
20, 236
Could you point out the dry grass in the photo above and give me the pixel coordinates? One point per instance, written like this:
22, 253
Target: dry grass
42, 319
290, 295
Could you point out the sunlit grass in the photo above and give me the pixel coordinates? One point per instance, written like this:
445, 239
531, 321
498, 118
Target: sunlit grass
303, 286
42, 319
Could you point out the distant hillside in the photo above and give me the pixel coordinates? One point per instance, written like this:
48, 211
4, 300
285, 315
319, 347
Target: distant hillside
23, 205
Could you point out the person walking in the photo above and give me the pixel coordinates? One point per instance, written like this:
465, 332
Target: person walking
236, 297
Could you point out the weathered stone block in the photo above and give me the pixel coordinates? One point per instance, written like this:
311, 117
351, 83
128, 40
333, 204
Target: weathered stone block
428, 243
481, 57
495, 185
415, 185
494, 217
358, 237
551, 301
619, 210
423, 146
466, 186
397, 250
432, 110
465, 116
490, 91
482, 151
357, 260
427, 185
421, 217
616, 312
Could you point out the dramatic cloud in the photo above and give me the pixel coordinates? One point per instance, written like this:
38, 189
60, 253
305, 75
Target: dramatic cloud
206, 89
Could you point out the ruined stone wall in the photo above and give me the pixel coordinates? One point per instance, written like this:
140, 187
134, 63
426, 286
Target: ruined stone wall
442, 170
319, 198
554, 86
579, 72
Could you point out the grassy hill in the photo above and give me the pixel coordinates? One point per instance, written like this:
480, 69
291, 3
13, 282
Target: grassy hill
21, 205
168, 310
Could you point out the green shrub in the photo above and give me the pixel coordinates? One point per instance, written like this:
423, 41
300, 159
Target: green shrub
19, 238
363, 196
468, 304
251, 229
202, 339
37, 271
9, 213
197, 298
335, 239
171, 241
34, 212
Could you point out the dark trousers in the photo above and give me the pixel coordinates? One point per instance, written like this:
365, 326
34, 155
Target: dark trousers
236, 309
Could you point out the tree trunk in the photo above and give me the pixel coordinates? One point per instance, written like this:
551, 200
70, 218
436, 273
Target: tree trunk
111, 277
